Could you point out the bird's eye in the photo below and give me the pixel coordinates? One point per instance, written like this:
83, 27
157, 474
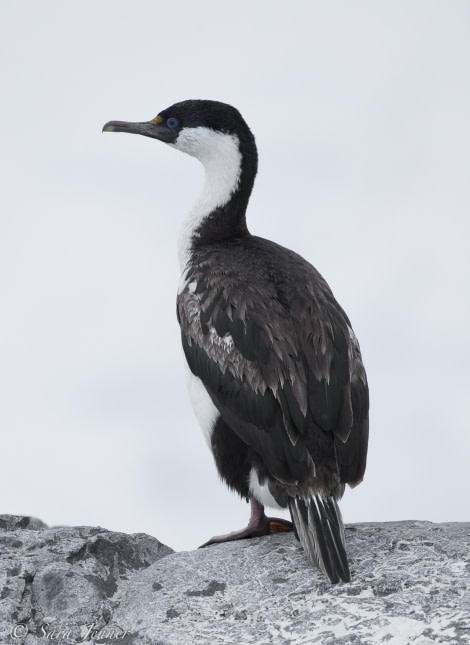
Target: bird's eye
172, 123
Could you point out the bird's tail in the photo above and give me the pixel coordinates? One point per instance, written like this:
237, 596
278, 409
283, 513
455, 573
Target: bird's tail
319, 527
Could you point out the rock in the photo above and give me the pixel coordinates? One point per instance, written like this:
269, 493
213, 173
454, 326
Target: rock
410, 584
64, 577
13, 522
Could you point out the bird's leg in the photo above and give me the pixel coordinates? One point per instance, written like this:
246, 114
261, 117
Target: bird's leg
258, 525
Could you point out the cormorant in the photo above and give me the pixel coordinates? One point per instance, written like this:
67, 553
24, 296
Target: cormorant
276, 376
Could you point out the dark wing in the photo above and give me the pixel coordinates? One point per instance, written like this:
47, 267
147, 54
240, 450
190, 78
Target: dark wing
279, 360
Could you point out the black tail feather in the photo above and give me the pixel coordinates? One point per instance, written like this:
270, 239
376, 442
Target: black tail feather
319, 528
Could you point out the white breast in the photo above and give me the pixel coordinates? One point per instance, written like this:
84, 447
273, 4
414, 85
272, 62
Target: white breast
220, 155
205, 411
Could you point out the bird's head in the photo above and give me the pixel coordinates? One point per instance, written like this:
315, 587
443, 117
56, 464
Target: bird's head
200, 128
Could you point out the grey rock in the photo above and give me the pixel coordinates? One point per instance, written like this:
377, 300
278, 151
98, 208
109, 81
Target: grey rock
54, 578
13, 522
410, 584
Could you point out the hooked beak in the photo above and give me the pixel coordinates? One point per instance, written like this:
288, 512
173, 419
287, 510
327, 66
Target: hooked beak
154, 129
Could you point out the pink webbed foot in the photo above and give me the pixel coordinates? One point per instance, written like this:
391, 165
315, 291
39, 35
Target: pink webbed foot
258, 525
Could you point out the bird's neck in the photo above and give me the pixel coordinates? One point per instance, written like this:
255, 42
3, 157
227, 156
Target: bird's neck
219, 213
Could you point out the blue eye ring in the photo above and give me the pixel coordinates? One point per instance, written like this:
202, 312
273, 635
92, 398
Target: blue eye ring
172, 123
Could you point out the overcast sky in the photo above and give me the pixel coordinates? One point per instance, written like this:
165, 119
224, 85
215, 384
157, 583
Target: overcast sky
361, 111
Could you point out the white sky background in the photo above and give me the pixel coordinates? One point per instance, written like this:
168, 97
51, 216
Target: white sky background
362, 117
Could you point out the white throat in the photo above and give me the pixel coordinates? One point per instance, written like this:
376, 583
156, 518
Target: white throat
220, 155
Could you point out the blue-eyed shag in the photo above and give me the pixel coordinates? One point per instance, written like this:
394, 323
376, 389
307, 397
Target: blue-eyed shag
276, 377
